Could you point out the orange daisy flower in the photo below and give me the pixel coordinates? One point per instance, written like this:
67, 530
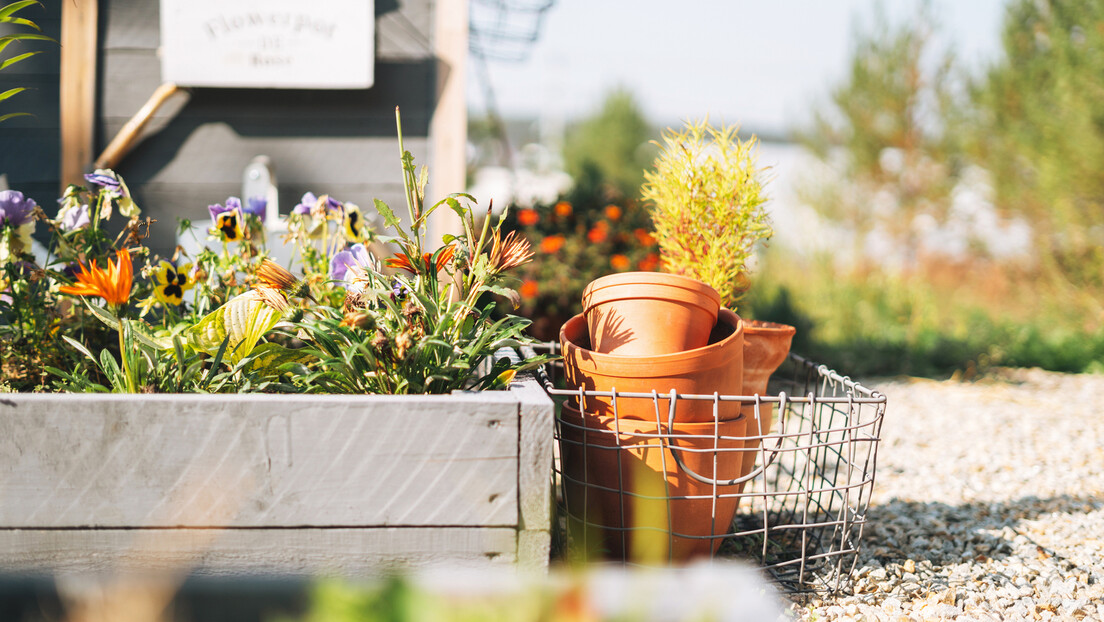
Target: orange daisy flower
649, 263
401, 261
112, 284
644, 237
599, 233
620, 262
563, 209
613, 212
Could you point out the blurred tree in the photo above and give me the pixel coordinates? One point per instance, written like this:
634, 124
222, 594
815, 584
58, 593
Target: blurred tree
886, 136
1039, 131
615, 142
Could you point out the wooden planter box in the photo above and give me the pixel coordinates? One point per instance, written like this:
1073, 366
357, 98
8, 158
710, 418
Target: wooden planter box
263, 484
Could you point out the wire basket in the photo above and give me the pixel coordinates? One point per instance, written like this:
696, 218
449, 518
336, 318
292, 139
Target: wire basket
622, 487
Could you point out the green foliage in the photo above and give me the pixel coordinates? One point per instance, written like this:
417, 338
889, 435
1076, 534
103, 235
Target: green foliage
414, 331
1039, 130
872, 323
8, 15
890, 137
707, 203
615, 141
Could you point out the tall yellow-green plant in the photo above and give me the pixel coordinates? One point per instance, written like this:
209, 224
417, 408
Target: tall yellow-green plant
708, 205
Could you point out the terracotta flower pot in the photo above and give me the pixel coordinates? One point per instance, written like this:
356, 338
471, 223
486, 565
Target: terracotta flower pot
766, 345
647, 313
717, 367
627, 497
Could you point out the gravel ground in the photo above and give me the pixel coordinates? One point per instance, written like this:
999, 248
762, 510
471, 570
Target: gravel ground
988, 503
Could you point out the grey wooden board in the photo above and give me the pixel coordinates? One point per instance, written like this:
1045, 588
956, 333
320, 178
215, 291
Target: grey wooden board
255, 461
205, 552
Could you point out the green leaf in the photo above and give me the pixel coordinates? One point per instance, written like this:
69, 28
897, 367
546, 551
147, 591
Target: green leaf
267, 358
111, 369
241, 323
12, 115
389, 217
11, 92
80, 347
15, 59
6, 12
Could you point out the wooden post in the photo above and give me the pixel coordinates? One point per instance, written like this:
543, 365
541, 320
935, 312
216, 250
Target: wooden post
448, 128
79, 20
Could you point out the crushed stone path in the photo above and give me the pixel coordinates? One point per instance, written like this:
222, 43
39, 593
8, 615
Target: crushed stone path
988, 503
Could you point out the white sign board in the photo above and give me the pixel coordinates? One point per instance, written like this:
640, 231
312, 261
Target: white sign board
321, 44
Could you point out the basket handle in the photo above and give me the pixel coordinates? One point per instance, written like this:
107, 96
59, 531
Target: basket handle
713, 482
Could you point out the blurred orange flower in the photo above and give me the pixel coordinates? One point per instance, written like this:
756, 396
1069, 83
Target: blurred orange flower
528, 217
599, 233
552, 243
529, 289
563, 209
644, 237
613, 212
620, 262
649, 263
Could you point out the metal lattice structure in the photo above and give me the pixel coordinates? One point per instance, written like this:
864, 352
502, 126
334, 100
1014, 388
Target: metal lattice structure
800, 511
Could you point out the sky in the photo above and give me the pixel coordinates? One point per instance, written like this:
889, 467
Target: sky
763, 64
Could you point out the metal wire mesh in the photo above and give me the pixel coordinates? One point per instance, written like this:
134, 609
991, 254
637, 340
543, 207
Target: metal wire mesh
622, 485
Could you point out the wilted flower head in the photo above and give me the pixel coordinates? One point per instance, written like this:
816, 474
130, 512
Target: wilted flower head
509, 252
354, 256
116, 191
16, 210
72, 213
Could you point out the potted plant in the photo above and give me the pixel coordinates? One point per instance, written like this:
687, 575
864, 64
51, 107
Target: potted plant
708, 208
707, 202
192, 397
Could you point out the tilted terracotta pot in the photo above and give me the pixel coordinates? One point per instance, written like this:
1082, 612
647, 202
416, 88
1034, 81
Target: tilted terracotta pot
717, 367
648, 313
628, 498
766, 345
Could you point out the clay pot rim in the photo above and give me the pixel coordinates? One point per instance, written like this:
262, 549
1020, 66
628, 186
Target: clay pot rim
616, 364
571, 415
602, 290
764, 327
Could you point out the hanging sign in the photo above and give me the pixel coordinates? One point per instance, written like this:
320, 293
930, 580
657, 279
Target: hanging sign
323, 44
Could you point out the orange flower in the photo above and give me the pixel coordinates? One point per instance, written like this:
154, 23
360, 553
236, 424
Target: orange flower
401, 261
552, 243
644, 237
598, 233
620, 262
649, 263
563, 209
613, 212
112, 284
529, 289
528, 217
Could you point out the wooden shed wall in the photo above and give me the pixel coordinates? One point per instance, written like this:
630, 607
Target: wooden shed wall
337, 142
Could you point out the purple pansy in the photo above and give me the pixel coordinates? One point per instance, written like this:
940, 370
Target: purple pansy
256, 206
104, 179
15, 209
356, 255
232, 203
309, 200
75, 217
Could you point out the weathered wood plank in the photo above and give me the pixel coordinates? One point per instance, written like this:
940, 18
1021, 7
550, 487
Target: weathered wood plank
207, 552
79, 32
257, 461
534, 473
